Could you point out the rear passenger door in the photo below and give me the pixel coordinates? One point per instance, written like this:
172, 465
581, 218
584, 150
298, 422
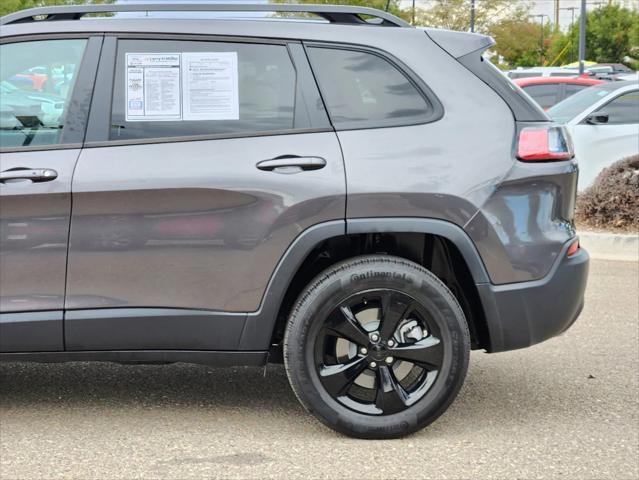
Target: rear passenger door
204, 161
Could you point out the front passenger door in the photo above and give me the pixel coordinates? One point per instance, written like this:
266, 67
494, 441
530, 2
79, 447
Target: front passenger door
598, 146
45, 90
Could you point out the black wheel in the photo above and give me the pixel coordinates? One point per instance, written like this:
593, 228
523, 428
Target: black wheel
376, 347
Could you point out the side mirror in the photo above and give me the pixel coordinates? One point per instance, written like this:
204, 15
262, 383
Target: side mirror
599, 118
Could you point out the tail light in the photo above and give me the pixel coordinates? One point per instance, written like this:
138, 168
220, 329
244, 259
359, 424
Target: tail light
572, 249
544, 144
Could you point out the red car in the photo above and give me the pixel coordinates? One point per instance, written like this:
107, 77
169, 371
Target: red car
548, 91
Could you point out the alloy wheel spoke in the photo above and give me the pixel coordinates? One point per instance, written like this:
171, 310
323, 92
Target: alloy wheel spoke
394, 309
344, 324
391, 396
427, 353
337, 379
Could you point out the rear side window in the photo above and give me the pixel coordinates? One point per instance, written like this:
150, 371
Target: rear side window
545, 94
623, 110
364, 90
571, 89
185, 88
36, 83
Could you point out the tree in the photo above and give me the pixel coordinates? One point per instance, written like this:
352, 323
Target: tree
455, 14
518, 41
612, 33
9, 6
524, 43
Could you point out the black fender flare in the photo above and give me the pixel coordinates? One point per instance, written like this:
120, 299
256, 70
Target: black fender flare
259, 325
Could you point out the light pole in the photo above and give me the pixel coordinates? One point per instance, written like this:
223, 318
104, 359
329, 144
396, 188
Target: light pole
472, 16
413, 12
582, 37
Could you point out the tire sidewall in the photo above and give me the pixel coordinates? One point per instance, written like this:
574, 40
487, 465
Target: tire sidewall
341, 282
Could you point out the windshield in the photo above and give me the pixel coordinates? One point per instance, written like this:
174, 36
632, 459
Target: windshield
568, 109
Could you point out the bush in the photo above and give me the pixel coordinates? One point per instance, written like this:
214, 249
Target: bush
612, 201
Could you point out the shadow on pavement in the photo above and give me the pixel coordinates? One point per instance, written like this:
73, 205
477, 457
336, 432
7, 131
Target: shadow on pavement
491, 394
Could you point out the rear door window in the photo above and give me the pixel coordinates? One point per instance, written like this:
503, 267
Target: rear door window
623, 110
544, 94
37, 79
364, 90
571, 89
178, 88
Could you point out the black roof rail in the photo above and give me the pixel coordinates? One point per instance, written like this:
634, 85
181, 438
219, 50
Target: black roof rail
340, 14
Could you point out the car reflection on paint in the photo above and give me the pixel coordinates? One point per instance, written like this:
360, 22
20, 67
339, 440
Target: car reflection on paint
123, 232
17, 103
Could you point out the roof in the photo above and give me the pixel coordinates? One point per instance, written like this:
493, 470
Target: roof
524, 82
614, 86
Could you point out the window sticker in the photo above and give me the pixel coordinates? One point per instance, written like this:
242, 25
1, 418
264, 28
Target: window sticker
182, 86
153, 87
210, 82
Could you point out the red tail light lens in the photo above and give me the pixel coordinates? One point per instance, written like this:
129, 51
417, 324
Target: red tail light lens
544, 144
572, 249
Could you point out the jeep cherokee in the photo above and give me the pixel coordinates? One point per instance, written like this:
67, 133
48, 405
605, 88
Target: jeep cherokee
363, 200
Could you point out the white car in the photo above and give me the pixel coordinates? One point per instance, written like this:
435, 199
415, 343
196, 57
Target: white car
604, 124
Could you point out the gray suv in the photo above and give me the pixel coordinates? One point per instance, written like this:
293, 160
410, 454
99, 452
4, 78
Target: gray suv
362, 200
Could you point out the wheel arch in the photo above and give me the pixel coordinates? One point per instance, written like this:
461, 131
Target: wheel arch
262, 326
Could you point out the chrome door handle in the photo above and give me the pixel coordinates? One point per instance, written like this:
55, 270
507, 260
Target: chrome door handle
292, 161
33, 174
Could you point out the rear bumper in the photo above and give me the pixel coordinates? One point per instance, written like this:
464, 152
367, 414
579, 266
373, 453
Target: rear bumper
521, 314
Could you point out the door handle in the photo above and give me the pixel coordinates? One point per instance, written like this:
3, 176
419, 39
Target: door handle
288, 162
33, 174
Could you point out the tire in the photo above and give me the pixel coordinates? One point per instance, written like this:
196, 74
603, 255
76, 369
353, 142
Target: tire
354, 333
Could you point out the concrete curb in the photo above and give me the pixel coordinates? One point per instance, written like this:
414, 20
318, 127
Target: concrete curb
610, 246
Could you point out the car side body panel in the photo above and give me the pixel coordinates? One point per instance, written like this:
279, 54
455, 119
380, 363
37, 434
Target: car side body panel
193, 225
155, 269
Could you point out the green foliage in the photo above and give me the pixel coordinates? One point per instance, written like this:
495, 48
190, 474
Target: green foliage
455, 14
561, 50
612, 32
518, 42
10, 6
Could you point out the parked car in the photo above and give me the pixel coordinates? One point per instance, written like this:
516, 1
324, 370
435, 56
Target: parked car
548, 91
45, 106
34, 78
614, 67
371, 235
603, 122
542, 72
628, 76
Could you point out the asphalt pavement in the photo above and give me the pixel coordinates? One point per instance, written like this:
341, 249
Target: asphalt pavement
568, 408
